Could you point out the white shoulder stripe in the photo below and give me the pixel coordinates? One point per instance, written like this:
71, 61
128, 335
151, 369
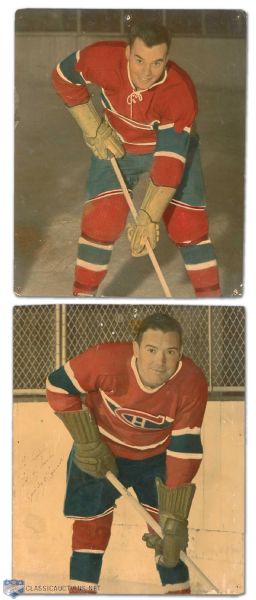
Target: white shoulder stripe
54, 388
72, 378
59, 71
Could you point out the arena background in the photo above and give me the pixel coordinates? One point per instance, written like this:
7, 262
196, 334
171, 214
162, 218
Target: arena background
52, 161
45, 336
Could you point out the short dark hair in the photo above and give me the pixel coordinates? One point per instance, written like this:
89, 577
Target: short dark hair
152, 34
160, 321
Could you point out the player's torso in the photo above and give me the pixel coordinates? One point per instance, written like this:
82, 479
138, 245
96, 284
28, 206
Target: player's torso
135, 114
134, 419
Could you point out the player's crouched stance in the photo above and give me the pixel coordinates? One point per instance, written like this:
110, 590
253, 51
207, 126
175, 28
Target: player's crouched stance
144, 408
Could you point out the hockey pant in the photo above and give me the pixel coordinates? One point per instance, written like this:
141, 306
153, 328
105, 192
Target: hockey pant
91, 503
106, 211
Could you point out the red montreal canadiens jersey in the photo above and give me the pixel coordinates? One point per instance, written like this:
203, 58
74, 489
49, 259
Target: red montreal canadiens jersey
135, 421
156, 120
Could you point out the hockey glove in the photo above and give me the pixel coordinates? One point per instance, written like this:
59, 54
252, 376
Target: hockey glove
147, 223
91, 453
174, 506
97, 133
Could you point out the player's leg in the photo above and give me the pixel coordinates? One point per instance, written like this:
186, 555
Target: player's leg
104, 218
90, 502
89, 542
187, 225
175, 580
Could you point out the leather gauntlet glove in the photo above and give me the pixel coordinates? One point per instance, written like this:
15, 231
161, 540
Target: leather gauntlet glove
144, 230
97, 133
174, 506
91, 453
146, 227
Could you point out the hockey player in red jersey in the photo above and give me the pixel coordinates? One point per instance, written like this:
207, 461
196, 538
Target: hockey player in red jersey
149, 106
146, 400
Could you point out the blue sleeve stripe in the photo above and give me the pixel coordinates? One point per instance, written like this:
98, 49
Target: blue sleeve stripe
67, 67
60, 379
170, 140
186, 443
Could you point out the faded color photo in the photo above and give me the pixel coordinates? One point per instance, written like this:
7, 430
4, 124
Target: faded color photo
130, 131
148, 399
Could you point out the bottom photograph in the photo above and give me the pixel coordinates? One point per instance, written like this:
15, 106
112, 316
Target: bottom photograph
128, 449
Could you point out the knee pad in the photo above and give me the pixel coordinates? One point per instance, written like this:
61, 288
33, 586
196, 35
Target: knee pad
104, 217
186, 224
92, 533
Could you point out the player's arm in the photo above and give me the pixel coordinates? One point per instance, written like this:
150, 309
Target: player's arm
185, 451
175, 496
70, 79
64, 388
166, 173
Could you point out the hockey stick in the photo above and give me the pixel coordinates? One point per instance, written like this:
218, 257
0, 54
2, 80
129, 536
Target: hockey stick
134, 214
156, 527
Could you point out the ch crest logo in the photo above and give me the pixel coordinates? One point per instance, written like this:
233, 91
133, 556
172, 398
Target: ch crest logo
135, 418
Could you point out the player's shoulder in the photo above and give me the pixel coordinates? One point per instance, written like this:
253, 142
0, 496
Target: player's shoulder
176, 73
191, 370
178, 79
105, 51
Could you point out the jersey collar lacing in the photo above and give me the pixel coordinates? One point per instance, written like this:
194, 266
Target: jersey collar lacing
137, 94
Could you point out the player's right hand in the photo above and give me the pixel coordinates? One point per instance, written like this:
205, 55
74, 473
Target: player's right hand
105, 143
94, 458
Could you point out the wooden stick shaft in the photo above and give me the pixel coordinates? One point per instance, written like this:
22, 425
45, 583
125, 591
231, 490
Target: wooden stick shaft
134, 214
156, 527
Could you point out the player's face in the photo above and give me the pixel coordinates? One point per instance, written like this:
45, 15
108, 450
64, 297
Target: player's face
157, 356
146, 64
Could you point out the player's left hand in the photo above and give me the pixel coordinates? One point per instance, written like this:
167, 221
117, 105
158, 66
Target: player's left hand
167, 549
153, 540
138, 233
175, 539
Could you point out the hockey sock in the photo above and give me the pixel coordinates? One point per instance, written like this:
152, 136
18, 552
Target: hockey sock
86, 567
201, 267
175, 580
91, 265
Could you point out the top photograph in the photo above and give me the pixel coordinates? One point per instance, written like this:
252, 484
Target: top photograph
129, 153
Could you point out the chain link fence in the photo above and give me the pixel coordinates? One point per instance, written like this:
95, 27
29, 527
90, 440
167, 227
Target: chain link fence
46, 336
